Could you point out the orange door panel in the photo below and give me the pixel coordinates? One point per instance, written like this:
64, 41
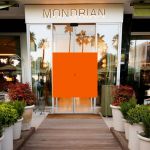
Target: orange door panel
74, 75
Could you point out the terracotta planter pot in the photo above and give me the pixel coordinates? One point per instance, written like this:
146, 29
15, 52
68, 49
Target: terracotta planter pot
27, 117
1, 140
117, 118
134, 129
17, 129
7, 143
144, 143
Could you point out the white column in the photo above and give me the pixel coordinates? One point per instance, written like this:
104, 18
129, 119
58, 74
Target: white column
119, 55
25, 56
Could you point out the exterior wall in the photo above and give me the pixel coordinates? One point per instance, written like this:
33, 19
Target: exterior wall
126, 33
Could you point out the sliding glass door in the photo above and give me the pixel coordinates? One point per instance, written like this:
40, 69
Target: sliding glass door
74, 38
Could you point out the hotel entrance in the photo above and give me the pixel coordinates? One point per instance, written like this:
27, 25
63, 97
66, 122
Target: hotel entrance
73, 38
71, 34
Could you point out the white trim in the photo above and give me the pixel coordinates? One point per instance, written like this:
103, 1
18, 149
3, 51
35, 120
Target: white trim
29, 107
23, 45
53, 100
119, 55
142, 138
114, 107
28, 73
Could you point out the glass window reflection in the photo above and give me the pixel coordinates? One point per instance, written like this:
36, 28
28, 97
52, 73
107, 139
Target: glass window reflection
41, 61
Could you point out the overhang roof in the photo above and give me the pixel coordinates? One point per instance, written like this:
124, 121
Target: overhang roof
18, 12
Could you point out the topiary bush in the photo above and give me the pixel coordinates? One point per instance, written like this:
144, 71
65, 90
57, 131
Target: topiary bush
8, 115
135, 115
126, 106
146, 123
19, 106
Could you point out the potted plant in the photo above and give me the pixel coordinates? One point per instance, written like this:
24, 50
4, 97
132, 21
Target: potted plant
135, 116
120, 94
8, 116
144, 137
19, 106
1, 134
124, 108
23, 92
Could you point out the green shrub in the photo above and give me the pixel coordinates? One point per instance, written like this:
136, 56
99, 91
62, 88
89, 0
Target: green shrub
146, 123
126, 106
19, 106
148, 107
8, 115
135, 115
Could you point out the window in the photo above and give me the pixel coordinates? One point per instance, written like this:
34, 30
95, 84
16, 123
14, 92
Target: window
10, 61
139, 64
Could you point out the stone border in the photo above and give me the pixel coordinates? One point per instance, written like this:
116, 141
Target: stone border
120, 138
25, 135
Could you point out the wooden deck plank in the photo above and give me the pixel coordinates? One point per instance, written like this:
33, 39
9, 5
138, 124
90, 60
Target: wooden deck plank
72, 134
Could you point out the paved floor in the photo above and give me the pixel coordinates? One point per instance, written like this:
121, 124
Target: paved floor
108, 121
38, 118
72, 134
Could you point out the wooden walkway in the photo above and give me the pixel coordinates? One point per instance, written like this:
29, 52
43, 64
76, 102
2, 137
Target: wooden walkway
57, 133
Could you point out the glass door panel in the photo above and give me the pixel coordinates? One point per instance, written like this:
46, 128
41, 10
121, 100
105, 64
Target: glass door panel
64, 105
83, 105
107, 49
84, 41
41, 62
61, 41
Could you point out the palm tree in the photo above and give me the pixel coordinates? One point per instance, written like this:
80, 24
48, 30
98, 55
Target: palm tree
43, 45
32, 41
115, 41
69, 29
50, 26
82, 39
32, 37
